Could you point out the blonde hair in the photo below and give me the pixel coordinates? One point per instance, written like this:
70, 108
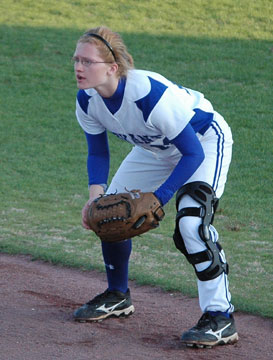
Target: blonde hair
111, 48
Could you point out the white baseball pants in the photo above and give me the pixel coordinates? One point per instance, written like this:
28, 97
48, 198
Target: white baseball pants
144, 170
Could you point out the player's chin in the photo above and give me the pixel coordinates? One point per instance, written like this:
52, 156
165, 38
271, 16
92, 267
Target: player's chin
82, 83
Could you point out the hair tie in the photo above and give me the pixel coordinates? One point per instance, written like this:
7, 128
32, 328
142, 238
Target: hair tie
104, 41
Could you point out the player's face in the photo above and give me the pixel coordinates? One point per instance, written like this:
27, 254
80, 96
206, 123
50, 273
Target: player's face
90, 69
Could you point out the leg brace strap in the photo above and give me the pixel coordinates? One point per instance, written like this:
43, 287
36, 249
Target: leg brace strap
204, 195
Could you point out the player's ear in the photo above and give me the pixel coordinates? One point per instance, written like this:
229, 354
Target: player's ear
113, 68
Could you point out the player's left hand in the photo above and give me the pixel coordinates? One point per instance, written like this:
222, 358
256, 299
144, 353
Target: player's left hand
117, 217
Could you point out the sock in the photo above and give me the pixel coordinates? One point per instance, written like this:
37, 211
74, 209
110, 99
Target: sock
216, 313
116, 259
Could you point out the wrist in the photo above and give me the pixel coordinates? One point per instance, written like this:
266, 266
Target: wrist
95, 191
104, 186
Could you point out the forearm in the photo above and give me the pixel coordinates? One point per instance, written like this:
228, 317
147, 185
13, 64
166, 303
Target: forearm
98, 159
184, 169
192, 156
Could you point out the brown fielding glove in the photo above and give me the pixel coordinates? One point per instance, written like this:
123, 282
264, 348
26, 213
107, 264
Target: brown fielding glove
117, 217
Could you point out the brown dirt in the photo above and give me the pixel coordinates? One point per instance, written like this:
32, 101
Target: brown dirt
37, 301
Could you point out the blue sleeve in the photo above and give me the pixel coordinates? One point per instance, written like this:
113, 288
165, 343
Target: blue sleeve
193, 155
98, 159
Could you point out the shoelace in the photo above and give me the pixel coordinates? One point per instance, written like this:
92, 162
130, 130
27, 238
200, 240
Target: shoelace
207, 319
98, 297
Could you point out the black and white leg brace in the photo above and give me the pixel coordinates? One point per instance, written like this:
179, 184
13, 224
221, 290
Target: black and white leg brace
204, 194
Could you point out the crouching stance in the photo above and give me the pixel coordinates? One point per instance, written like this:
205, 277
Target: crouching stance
179, 144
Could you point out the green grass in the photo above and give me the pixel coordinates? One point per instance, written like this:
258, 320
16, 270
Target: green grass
221, 48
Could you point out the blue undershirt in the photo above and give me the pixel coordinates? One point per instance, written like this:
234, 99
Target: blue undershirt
114, 102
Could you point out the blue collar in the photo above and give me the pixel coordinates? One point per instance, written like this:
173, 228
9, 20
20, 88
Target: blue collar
114, 102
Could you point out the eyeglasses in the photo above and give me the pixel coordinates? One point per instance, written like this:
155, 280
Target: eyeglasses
86, 63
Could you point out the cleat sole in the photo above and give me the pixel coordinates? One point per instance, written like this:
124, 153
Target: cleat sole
208, 344
117, 313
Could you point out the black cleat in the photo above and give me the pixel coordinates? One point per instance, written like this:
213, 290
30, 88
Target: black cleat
210, 331
109, 303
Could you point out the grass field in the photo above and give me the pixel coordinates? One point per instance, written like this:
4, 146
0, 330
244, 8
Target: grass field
221, 48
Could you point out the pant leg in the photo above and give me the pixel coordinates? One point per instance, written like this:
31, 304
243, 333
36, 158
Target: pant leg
214, 294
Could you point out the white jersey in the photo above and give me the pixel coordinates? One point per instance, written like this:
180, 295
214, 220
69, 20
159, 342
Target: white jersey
153, 111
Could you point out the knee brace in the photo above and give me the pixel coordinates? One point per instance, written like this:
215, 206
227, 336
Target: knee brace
204, 194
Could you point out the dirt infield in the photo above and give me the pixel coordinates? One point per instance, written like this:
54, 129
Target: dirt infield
37, 301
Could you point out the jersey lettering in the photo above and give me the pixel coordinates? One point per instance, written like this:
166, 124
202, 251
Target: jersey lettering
144, 140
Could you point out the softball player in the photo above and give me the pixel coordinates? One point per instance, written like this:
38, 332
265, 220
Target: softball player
180, 144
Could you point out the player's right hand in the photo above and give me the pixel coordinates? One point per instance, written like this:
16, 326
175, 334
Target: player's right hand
84, 214
95, 191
